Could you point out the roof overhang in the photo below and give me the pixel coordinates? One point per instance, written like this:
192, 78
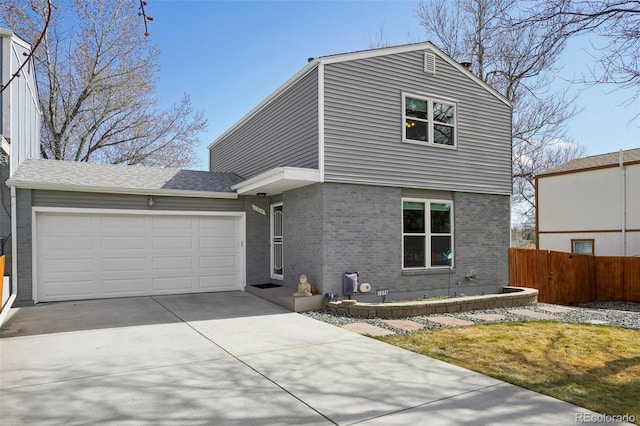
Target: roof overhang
278, 180
113, 190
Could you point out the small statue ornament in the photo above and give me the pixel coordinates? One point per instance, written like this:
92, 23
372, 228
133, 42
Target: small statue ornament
304, 288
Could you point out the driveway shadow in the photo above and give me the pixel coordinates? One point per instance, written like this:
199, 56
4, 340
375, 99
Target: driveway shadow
60, 317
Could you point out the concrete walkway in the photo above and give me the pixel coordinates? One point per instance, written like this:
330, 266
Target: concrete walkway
234, 359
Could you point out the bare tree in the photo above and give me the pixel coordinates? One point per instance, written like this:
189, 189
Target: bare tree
517, 61
616, 21
96, 86
379, 39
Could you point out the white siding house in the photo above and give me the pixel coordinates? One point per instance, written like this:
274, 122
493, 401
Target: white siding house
19, 106
19, 134
591, 205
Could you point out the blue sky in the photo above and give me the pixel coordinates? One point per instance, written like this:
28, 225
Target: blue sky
230, 55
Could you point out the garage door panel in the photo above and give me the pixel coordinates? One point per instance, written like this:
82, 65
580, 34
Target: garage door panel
171, 224
218, 225
61, 222
214, 262
70, 290
165, 284
123, 287
116, 224
225, 283
61, 279
217, 242
172, 243
123, 242
94, 255
180, 263
123, 265
63, 265
55, 243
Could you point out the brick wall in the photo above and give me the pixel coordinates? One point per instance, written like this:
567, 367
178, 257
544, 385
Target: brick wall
257, 240
303, 235
482, 237
361, 233
334, 228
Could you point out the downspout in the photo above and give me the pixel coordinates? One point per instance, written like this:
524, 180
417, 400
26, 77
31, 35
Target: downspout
623, 182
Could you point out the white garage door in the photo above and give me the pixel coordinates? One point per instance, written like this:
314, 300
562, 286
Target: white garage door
101, 255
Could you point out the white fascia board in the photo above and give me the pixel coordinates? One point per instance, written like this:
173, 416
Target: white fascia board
280, 90
372, 53
276, 180
128, 191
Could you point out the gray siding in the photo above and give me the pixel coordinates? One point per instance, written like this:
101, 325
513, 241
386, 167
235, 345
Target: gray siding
136, 202
363, 127
283, 133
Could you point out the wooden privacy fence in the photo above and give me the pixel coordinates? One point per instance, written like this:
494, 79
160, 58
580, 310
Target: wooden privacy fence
569, 278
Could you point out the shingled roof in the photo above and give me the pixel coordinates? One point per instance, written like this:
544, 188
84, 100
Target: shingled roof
90, 177
612, 159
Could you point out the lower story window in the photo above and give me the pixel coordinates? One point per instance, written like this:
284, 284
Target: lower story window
427, 233
582, 246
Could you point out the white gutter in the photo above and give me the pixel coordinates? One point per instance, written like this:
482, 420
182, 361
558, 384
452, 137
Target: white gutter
130, 191
623, 182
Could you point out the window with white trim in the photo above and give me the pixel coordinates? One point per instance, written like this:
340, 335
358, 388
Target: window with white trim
427, 233
427, 120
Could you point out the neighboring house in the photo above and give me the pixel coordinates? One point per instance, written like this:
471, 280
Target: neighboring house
591, 205
19, 129
378, 161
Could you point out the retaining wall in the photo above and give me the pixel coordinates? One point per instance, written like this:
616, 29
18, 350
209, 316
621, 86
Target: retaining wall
511, 297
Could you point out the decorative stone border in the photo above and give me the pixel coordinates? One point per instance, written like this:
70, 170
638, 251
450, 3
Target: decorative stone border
509, 298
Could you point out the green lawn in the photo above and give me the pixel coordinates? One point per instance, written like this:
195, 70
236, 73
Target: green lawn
596, 367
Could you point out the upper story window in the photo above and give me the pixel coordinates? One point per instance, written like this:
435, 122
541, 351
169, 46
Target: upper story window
427, 120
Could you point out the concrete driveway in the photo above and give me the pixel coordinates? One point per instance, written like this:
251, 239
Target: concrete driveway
234, 359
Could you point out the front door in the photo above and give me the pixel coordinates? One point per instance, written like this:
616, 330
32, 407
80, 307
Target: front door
276, 242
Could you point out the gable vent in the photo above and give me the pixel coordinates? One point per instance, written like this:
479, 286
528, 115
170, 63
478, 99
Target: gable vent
429, 62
